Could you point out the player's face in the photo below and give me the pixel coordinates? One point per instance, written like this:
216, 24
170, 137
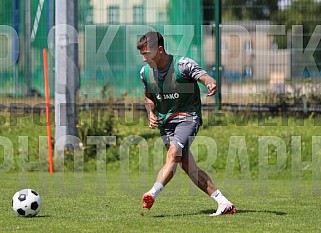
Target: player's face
150, 56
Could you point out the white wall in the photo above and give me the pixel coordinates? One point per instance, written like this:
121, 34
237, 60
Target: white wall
152, 10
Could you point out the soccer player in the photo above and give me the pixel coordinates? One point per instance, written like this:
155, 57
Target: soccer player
173, 104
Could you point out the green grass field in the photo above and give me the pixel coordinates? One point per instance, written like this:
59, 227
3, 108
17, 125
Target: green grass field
111, 202
180, 207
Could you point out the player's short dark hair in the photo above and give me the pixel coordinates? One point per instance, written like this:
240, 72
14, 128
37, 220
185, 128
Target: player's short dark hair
152, 39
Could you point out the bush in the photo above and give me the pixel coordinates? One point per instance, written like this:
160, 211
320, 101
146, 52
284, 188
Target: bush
99, 121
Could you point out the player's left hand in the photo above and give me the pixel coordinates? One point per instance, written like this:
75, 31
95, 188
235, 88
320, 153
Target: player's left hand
211, 87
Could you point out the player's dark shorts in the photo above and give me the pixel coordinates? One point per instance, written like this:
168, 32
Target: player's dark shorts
181, 134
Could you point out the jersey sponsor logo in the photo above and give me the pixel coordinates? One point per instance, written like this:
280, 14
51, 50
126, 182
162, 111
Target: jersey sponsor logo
171, 96
159, 97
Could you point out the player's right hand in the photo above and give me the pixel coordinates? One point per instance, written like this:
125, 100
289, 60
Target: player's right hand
153, 121
211, 87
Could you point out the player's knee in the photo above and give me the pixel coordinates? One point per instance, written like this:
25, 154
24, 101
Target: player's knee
173, 158
190, 167
174, 150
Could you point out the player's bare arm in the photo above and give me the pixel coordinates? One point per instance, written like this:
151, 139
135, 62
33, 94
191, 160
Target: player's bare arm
210, 84
151, 113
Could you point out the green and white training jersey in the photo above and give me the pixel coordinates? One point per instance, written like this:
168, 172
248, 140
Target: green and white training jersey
174, 89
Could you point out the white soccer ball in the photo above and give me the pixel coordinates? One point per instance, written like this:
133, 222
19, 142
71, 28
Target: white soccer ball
26, 203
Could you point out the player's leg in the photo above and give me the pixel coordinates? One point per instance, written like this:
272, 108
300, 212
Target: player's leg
173, 158
168, 170
185, 133
164, 176
201, 179
197, 175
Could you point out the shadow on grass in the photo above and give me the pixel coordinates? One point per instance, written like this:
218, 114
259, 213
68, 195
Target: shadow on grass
42, 216
262, 211
175, 215
210, 211
250, 211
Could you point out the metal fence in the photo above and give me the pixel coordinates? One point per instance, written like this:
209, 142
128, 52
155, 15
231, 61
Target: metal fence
267, 49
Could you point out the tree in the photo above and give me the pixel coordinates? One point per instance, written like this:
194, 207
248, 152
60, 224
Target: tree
241, 9
301, 12
85, 13
260, 9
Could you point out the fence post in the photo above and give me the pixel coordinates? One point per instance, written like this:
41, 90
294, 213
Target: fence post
28, 61
67, 73
218, 95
